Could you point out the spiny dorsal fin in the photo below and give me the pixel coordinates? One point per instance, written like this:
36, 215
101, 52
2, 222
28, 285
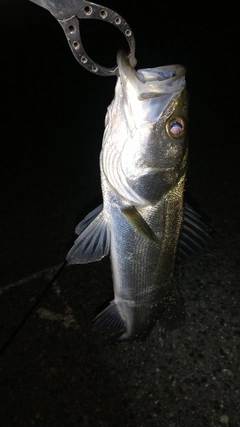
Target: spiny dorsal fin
194, 234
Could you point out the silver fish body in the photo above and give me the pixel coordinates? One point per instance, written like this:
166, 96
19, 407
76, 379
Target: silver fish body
143, 167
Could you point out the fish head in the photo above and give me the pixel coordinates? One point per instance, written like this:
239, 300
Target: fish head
150, 115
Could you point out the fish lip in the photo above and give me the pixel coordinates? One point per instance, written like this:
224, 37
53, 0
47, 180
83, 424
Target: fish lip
151, 82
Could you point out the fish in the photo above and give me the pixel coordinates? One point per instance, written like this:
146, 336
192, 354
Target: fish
143, 165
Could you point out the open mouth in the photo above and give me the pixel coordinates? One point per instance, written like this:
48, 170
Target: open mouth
147, 92
152, 82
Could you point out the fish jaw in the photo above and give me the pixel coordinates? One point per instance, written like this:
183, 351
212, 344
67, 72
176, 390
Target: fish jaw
156, 85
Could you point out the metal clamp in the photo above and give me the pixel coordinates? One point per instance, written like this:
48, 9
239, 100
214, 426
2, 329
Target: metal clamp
68, 13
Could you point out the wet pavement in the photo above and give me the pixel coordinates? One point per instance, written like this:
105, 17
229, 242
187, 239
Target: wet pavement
56, 371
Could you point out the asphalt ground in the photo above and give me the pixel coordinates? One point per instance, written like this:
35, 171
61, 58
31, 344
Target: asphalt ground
54, 369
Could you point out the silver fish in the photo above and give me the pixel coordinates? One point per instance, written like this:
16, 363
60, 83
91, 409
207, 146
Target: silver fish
143, 168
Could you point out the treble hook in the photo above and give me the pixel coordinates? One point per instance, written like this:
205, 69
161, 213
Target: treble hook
67, 13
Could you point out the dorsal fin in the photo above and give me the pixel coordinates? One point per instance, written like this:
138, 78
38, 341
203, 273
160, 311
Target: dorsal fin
194, 234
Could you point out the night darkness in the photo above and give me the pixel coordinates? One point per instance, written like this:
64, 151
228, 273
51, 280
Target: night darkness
57, 371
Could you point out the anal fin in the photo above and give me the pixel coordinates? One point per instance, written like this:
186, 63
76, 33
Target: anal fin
109, 318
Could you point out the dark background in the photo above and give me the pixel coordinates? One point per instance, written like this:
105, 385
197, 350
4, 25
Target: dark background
52, 121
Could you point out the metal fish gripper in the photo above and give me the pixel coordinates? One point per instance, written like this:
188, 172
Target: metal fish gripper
69, 12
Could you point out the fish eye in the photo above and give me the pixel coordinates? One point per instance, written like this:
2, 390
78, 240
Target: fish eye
176, 127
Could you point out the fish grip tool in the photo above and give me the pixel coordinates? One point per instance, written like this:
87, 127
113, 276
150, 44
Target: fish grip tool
68, 13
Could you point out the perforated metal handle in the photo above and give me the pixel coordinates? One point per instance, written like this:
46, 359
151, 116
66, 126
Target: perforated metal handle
68, 13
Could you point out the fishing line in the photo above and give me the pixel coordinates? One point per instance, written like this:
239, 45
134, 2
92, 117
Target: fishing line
31, 310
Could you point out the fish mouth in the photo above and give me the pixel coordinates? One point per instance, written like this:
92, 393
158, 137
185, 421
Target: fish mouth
149, 91
151, 82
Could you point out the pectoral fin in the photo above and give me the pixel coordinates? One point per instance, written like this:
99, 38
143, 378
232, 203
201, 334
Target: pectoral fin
94, 241
139, 224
